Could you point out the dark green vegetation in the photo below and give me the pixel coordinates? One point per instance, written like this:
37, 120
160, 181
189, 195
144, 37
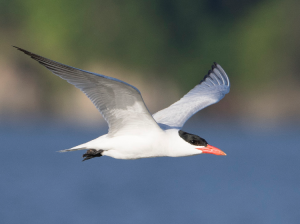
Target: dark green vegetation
257, 42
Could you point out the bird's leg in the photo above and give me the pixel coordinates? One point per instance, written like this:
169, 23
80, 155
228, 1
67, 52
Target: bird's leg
91, 153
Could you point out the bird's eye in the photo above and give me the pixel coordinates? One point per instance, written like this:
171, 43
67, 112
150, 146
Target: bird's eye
193, 141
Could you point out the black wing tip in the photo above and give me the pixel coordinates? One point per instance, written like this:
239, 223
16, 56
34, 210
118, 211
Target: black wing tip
215, 65
36, 57
32, 55
21, 49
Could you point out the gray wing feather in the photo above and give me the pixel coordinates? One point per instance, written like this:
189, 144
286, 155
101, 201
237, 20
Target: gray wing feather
120, 104
210, 90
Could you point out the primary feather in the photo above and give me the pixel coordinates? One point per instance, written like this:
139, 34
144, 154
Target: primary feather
210, 90
120, 103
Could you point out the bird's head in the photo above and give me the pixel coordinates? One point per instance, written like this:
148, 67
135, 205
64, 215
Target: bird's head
200, 144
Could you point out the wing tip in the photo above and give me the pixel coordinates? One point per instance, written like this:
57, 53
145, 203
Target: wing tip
42, 60
23, 50
32, 55
211, 71
214, 66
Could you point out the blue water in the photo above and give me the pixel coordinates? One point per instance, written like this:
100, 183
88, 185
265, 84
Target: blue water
257, 182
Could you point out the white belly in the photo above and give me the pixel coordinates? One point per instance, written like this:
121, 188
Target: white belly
133, 147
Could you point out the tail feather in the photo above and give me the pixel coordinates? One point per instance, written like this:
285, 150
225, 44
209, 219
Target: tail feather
72, 149
84, 146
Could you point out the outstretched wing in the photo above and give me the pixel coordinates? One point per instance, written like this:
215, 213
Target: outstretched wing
210, 90
120, 104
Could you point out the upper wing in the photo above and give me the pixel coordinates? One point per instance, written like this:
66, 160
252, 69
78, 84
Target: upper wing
210, 90
120, 104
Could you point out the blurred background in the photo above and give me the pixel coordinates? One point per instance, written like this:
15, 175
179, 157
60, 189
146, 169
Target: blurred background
164, 48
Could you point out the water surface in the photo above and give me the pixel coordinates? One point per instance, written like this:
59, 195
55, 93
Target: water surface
258, 182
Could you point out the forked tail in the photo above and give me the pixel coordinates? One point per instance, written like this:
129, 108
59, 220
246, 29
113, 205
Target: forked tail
72, 149
75, 148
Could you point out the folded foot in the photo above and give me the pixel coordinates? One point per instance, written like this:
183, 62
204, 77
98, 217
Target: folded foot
91, 153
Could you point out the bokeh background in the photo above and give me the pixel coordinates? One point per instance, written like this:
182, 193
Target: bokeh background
164, 48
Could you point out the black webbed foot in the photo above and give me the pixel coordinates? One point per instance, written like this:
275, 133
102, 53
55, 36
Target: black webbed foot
91, 153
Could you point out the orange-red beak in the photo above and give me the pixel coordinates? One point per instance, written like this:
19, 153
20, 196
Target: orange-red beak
212, 150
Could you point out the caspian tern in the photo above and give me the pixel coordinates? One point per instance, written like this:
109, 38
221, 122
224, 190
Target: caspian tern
133, 132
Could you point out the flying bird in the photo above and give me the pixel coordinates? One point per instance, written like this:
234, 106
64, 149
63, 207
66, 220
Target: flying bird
133, 132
